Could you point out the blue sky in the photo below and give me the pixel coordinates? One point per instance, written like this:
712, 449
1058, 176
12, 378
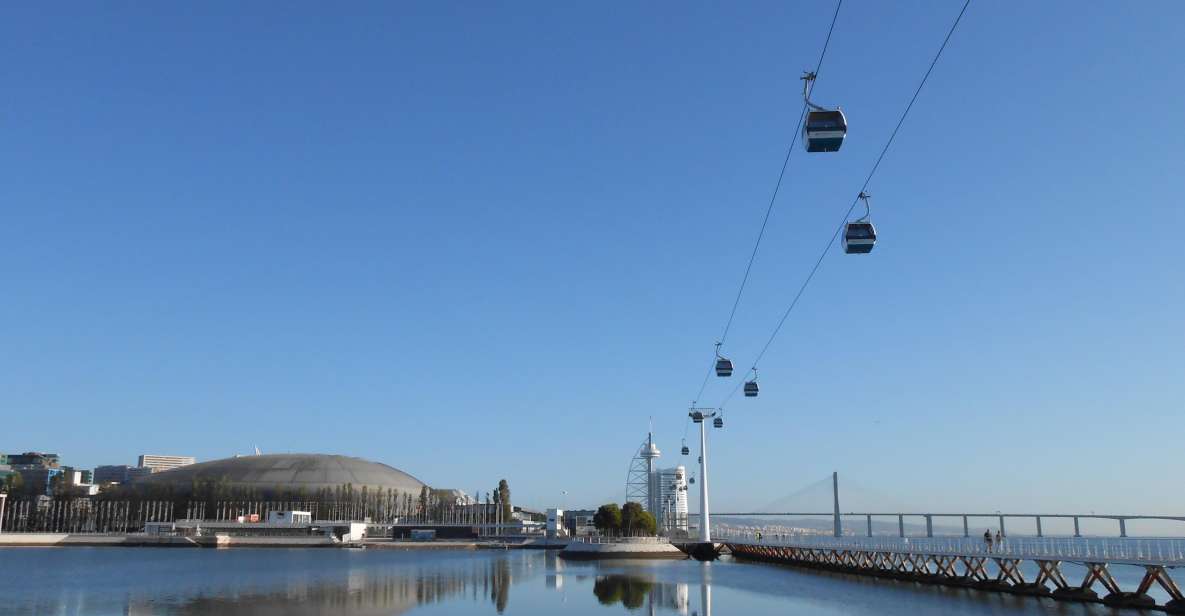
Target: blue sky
477, 241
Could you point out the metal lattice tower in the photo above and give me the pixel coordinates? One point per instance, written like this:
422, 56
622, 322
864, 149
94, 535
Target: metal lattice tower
640, 482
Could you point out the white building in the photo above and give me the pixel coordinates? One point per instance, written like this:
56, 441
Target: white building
160, 463
555, 523
672, 498
290, 517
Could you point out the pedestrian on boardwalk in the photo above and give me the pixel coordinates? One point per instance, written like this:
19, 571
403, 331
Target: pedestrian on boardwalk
987, 539
1000, 538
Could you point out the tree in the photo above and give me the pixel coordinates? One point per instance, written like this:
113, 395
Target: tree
608, 518
16, 483
636, 520
504, 500
645, 523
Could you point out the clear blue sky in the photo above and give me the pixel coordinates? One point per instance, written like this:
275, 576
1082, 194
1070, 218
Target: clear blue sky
477, 241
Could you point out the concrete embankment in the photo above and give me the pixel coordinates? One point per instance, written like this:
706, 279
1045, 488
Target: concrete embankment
227, 541
580, 550
212, 541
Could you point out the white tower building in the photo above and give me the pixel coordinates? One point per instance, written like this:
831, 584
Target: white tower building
672, 512
650, 453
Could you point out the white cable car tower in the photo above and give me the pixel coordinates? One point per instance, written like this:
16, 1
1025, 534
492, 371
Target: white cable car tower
699, 415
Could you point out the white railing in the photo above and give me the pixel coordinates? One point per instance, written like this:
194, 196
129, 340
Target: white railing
1167, 551
606, 540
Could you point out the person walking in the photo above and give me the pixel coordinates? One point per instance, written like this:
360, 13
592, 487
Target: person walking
1000, 538
987, 539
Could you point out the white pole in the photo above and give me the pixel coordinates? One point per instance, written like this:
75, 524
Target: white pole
705, 531
3, 497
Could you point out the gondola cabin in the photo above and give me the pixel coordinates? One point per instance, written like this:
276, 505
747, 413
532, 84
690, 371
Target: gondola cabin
824, 131
723, 367
751, 389
718, 422
859, 237
686, 451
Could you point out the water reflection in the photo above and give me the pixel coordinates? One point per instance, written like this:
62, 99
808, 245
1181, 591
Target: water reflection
361, 593
262, 584
141, 582
634, 591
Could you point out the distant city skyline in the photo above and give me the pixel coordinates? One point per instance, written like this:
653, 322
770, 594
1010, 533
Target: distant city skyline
481, 242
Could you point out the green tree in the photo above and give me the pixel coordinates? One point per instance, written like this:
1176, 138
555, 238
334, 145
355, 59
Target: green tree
607, 519
504, 500
637, 521
645, 523
15, 483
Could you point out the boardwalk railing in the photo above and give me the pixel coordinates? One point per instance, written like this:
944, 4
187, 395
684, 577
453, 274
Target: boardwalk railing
1120, 520
1168, 552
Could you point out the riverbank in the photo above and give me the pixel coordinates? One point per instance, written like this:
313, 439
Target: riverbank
44, 540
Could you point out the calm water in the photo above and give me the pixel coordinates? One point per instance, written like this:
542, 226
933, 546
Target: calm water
294, 582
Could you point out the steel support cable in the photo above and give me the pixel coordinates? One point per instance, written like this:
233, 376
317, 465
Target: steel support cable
773, 199
855, 201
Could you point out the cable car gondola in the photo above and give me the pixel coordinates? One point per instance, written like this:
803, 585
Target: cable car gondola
859, 236
723, 364
685, 450
751, 389
718, 422
824, 129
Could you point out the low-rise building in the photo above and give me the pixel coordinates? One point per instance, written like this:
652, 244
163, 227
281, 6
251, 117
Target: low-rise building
34, 458
158, 462
119, 473
37, 479
290, 517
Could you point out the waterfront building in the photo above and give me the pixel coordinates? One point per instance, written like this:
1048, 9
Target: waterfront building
305, 473
555, 523
454, 497
661, 492
34, 458
119, 473
672, 509
37, 479
160, 463
78, 476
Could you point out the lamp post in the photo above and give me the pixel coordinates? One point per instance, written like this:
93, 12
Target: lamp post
3, 497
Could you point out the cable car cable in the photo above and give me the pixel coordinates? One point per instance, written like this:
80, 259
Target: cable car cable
782, 174
769, 208
848, 213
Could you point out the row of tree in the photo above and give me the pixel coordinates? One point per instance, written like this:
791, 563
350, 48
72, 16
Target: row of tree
629, 520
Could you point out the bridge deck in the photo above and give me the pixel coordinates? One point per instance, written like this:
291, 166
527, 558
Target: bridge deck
1166, 552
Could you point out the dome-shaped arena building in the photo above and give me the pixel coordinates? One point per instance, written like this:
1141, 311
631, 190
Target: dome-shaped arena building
287, 473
